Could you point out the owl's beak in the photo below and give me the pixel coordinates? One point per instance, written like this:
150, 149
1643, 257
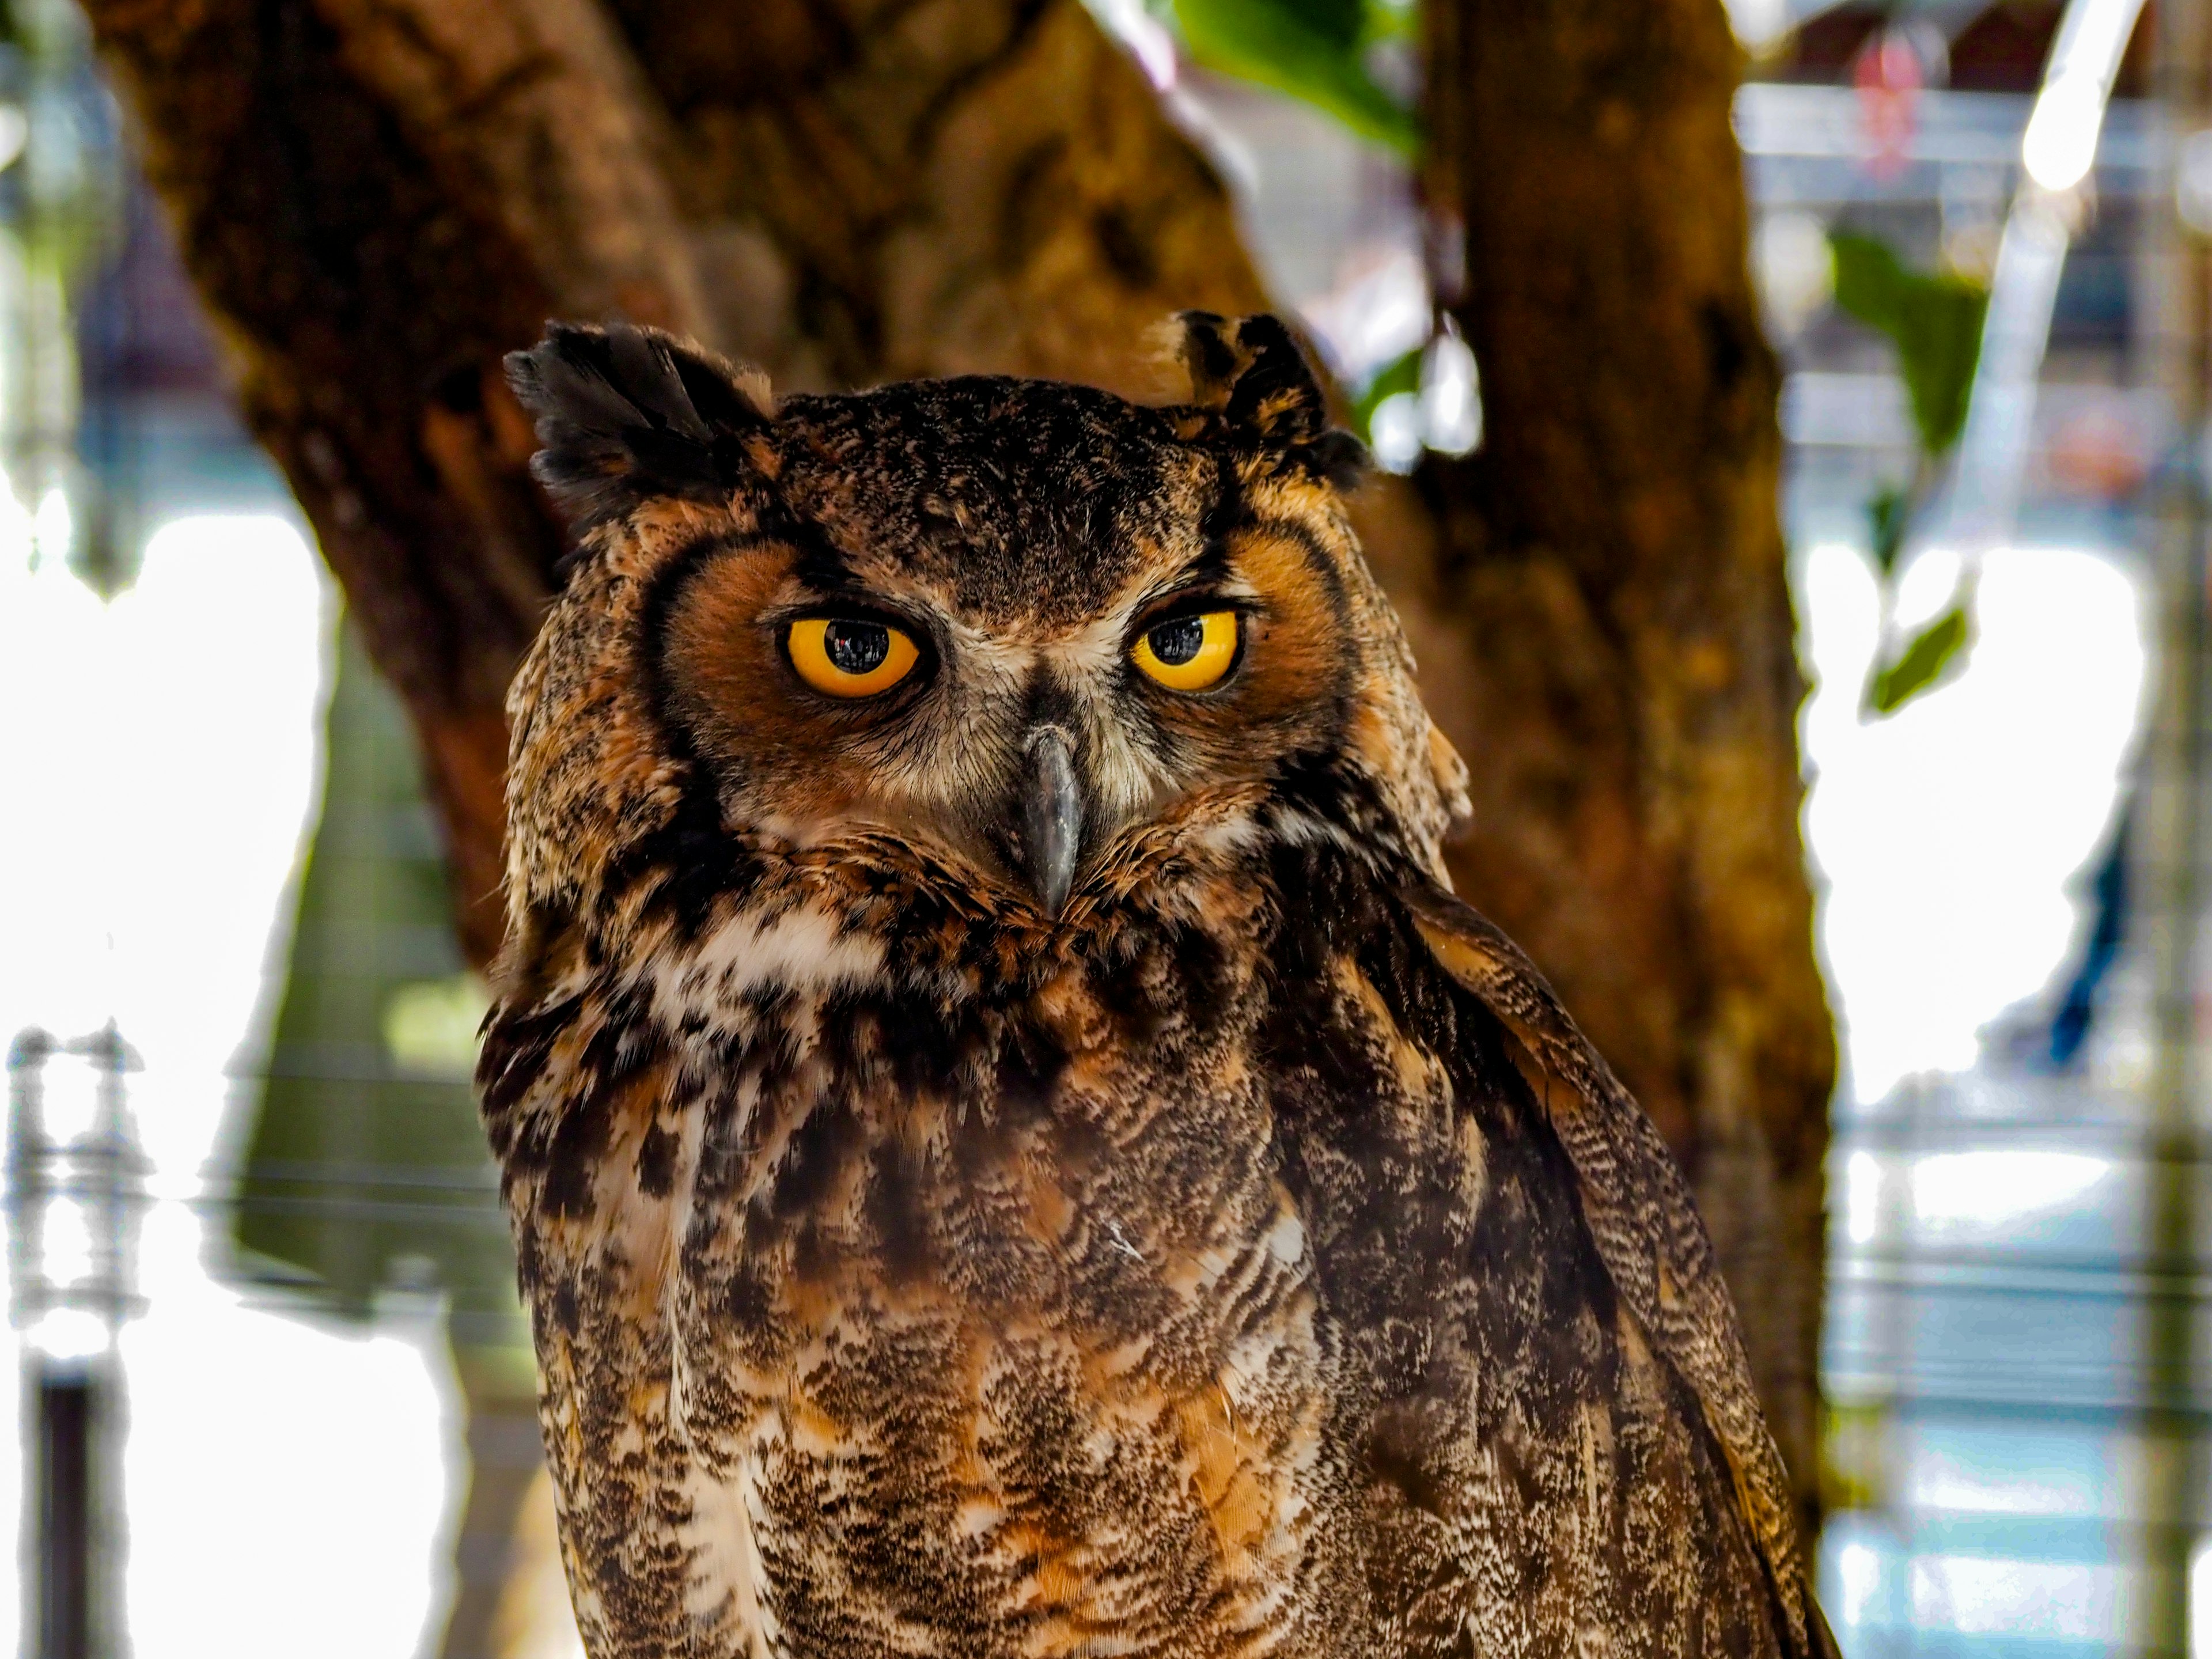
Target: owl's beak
1052, 818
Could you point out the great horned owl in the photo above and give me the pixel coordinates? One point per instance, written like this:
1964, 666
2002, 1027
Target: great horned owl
1014, 1148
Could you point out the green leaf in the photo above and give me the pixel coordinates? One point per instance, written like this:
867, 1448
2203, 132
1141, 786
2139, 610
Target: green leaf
1889, 517
1933, 321
1310, 49
1921, 664
1393, 20
1399, 374
1342, 23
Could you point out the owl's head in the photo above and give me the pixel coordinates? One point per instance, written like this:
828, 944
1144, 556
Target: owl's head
1023, 634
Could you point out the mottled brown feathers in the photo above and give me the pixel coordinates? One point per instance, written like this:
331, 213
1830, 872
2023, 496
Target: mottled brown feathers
626, 415
1252, 372
1235, 1251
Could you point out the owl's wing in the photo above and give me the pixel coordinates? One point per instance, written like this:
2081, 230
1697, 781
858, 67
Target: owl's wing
1639, 1211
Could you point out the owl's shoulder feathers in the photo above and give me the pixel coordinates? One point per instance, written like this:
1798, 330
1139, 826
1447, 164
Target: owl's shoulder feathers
1643, 1221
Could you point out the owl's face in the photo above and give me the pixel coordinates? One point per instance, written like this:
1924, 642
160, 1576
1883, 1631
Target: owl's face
1011, 622
1014, 626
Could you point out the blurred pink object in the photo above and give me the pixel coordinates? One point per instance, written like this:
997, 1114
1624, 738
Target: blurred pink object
1888, 74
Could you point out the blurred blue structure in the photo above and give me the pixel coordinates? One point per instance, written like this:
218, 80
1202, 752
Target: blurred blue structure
2016, 1322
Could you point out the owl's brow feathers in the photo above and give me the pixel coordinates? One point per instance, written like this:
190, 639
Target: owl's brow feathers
628, 414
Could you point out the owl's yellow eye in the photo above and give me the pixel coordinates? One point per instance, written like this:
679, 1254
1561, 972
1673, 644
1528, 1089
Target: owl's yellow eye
1189, 654
847, 657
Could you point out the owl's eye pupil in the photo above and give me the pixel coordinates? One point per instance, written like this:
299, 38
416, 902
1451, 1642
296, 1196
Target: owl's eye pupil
1176, 643
856, 648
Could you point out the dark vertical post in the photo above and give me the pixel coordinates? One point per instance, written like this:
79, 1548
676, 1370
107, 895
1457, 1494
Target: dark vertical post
68, 1420
73, 1399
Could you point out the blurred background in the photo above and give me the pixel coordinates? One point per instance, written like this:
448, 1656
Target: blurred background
273, 1383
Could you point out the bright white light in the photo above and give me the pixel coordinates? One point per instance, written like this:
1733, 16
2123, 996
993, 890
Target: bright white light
162, 753
2061, 139
1758, 22
68, 1333
1947, 832
2200, 1601
50, 528
280, 1479
1394, 431
1992, 1189
65, 1243
1451, 395
1984, 1595
213, 697
69, 1097
1378, 310
1858, 1574
1861, 1196
2060, 143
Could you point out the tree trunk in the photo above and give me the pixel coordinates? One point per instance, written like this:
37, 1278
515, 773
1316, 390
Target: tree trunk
1603, 616
377, 198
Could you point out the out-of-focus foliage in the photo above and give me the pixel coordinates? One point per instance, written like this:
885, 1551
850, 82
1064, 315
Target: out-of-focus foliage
1315, 50
1922, 663
1401, 373
1934, 319
366, 1169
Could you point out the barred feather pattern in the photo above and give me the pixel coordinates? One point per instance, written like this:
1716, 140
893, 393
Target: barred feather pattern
1219, 1287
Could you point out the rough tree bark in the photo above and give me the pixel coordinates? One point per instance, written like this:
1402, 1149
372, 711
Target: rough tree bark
1606, 626
377, 198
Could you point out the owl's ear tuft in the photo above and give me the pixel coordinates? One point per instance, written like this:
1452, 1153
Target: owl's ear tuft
1251, 373
626, 414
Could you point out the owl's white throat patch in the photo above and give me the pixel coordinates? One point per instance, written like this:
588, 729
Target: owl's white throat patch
803, 951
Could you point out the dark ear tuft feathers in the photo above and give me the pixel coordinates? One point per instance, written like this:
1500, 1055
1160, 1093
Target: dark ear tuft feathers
625, 414
1250, 372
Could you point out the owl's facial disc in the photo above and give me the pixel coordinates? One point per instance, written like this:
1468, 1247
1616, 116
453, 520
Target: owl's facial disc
1011, 644
1018, 635
845, 698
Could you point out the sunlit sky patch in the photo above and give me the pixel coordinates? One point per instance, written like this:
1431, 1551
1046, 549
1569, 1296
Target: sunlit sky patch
162, 766
1946, 834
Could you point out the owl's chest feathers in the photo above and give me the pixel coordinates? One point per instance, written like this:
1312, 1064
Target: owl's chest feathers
971, 1294
787, 1143
1089, 1155
1234, 1264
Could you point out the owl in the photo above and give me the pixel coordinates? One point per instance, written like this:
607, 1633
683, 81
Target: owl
1014, 1148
